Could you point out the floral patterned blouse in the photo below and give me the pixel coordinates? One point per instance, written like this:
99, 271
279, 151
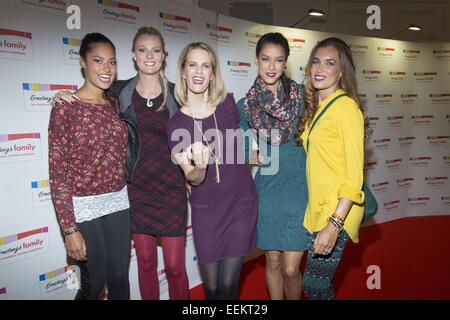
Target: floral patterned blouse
87, 154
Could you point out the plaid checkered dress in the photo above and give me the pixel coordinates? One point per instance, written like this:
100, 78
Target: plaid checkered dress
158, 193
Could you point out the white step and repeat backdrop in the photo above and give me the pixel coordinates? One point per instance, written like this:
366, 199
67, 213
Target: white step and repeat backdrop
406, 86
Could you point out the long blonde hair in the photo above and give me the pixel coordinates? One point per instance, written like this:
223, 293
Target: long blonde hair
216, 90
347, 82
150, 31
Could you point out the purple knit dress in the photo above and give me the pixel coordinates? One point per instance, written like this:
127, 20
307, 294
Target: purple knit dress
223, 214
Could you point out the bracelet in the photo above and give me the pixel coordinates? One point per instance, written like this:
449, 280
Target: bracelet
66, 233
336, 223
338, 218
336, 226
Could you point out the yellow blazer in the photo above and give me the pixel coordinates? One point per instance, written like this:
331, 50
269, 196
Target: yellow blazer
334, 164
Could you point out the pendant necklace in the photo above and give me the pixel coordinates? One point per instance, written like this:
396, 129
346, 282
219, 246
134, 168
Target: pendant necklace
149, 100
216, 158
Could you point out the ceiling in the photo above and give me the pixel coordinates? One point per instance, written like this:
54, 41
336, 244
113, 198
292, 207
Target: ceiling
350, 17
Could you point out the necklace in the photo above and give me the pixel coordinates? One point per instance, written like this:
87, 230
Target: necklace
216, 158
149, 100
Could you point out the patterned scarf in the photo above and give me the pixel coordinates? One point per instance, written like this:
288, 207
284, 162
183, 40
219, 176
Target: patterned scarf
266, 111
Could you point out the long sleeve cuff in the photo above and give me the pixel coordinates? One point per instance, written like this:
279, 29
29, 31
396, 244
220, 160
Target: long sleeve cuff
349, 192
66, 222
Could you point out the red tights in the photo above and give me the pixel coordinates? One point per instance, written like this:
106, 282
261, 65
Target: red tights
174, 264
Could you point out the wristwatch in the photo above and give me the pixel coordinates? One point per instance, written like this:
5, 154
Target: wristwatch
66, 233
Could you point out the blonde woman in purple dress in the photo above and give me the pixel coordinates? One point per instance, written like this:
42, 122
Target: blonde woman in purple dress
223, 196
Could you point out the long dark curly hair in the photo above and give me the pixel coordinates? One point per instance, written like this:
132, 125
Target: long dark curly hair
347, 83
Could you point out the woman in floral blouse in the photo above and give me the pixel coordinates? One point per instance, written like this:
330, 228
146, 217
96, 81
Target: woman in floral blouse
87, 144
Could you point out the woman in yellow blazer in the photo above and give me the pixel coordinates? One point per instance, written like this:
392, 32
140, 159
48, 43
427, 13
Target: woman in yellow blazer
334, 163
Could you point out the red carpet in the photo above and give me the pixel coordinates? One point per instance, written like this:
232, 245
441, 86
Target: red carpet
413, 255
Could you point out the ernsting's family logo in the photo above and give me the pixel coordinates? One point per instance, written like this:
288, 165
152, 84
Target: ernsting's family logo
118, 13
59, 281
381, 144
175, 24
359, 50
383, 99
425, 77
252, 38
41, 194
395, 121
371, 75
296, 45
441, 55
439, 98
404, 183
219, 33
71, 50
397, 76
15, 45
50, 6
408, 98
406, 142
420, 162
385, 53
422, 119
418, 202
20, 146
37, 96
238, 68
380, 187
410, 54
20, 246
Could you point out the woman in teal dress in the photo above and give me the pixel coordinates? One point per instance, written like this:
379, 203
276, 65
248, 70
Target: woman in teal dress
269, 113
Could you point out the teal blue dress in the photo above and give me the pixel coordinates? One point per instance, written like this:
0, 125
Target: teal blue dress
282, 193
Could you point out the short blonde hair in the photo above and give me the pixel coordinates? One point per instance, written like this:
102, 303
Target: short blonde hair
216, 90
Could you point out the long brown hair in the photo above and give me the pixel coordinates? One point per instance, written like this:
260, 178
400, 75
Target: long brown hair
347, 82
150, 31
